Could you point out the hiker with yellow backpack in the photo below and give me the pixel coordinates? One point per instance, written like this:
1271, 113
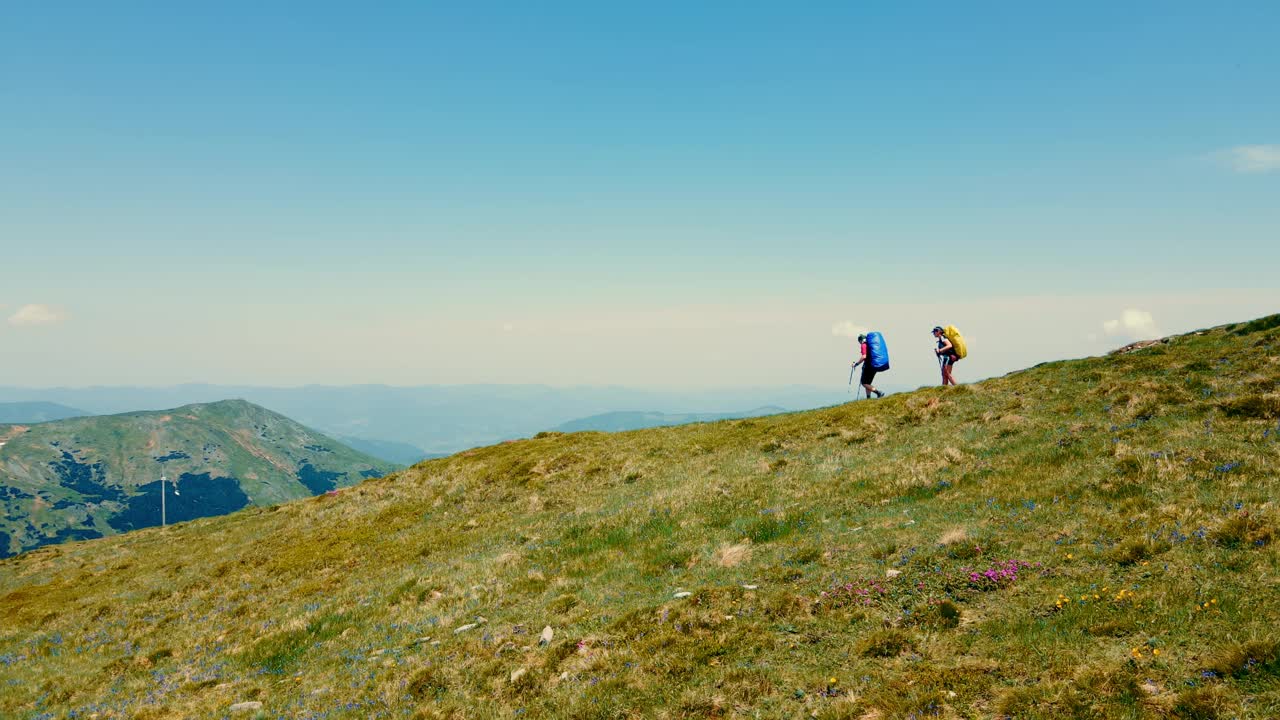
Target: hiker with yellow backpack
951, 350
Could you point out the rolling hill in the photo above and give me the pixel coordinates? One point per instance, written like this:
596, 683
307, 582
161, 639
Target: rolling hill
36, 412
88, 477
394, 452
1091, 538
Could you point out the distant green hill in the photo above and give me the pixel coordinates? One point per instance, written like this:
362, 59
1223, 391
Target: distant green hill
395, 452
36, 412
639, 420
93, 476
1094, 538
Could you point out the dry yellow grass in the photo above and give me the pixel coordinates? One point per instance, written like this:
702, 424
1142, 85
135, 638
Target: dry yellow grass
729, 556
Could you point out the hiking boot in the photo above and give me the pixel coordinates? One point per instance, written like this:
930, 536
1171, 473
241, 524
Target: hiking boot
879, 393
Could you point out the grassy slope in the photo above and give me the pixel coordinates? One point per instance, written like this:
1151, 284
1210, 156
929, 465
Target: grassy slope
638, 420
1134, 493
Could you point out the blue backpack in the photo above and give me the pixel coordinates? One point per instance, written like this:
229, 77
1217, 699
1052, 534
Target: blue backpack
877, 352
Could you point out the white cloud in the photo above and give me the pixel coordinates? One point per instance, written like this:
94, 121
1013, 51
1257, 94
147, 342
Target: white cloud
1252, 158
1133, 325
848, 329
31, 315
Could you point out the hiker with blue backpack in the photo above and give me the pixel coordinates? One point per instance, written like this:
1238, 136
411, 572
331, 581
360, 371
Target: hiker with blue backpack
951, 350
875, 358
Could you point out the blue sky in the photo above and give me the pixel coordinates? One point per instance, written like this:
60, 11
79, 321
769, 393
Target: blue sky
581, 192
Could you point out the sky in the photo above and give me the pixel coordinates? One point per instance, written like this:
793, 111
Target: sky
652, 195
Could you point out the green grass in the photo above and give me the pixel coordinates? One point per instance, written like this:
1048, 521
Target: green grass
1092, 538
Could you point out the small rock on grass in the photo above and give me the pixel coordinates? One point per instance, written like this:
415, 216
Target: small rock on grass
517, 674
245, 706
547, 634
464, 628
682, 594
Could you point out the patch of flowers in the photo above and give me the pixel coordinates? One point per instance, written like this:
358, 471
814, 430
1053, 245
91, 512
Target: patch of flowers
862, 592
1208, 606
998, 575
1121, 597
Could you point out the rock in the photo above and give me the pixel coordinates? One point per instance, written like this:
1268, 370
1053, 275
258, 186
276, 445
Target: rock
892, 573
517, 674
547, 634
682, 594
420, 641
464, 628
245, 706
347, 633
222, 686
750, 587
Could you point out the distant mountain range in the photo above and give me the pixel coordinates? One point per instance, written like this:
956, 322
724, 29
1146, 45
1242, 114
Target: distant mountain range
438, 419
638, 420
92, 476
36, 412
396, 452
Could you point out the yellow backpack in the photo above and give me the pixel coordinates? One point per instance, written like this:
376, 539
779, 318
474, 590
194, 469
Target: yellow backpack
957, 341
